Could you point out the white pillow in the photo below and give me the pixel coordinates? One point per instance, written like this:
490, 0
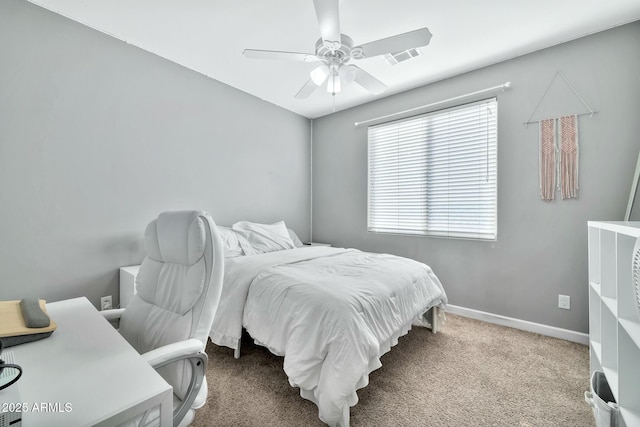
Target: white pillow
295, 239
230, 242
260, 238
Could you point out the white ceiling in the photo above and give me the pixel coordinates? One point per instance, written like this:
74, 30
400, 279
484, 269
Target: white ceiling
208, 36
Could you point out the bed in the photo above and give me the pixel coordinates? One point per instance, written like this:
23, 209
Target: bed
330, 312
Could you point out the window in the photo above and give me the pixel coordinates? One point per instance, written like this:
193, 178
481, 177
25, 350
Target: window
436, 174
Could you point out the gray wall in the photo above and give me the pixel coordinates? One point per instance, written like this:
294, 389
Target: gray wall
541, 249
97, 137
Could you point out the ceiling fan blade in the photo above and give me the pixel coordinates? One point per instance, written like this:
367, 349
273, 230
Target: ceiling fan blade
274, 54
396, 44
306, 90
368, 82
328, 14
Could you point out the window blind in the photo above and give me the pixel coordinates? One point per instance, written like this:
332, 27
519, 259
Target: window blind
436, 174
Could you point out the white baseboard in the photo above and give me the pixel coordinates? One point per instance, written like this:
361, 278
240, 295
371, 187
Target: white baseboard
524, 325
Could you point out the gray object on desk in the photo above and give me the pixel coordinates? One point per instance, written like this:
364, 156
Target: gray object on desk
33, 315
21, 339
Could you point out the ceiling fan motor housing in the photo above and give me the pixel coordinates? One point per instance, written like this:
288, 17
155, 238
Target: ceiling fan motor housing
341, 55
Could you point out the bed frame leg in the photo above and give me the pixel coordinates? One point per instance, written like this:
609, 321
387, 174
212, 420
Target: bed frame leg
236, 352
435, 319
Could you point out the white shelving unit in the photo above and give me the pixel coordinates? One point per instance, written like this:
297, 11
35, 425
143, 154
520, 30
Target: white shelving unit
614, 321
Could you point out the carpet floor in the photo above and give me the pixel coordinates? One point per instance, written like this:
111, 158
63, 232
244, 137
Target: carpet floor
471, 373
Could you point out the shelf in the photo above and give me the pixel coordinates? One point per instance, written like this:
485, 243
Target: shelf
631, 418
629, 228
632, 329
611, 304
628, 374
608, 264
614, 325
595, 357
597, 350
612, 379
609, 343
595, 330
594, 255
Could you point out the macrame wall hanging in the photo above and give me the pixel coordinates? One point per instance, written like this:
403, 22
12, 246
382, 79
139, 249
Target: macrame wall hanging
547, 159
569, 156
559, 150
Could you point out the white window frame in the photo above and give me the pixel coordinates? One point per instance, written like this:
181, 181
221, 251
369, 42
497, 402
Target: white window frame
425, 206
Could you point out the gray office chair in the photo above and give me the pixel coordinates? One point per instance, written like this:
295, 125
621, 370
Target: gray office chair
169, 318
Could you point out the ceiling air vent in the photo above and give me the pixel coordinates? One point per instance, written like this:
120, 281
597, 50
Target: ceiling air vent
405, 55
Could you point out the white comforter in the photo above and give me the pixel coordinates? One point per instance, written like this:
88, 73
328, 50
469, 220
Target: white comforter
330, 312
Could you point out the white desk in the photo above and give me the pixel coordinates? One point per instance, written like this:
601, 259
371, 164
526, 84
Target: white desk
86, 373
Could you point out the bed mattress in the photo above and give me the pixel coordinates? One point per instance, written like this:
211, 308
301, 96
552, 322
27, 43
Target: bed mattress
330, 312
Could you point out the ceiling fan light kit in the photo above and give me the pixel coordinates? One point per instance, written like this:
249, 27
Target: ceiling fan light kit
334, 50
319, 75
347, 73
333, 84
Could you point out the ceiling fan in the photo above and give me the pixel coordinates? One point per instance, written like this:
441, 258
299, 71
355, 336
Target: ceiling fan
334, 51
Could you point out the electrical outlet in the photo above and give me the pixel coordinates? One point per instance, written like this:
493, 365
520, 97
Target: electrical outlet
105, 303
564, 301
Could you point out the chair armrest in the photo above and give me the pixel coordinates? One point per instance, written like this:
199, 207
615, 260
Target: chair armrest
113, 314
172, 352
190, 351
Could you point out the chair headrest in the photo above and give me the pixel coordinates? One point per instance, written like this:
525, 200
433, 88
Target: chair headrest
176, 237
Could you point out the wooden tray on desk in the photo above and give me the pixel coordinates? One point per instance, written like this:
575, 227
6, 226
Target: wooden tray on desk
12, 323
